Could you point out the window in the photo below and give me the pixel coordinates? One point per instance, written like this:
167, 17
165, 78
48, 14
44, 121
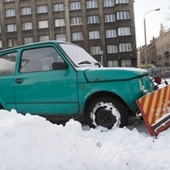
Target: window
40, 59
42, 9
11, 27
112, 49
126, 63
94, 35
124, 47
75, 5
28, 40
7, 63
76, 21
0, 29
111, 33
0, 44
61, 37
10, 12
95, 50
91, 4
123, 31
26, 11
44, 38
113, 63
59, 22
58, 7
42, 24
108, 3
93, 19
12, 42
27, 26
109, 18
123, 15
77, 36
122, 1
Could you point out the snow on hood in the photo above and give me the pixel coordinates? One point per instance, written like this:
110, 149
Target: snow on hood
113, 74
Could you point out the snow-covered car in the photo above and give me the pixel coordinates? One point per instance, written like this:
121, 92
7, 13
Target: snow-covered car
60, 80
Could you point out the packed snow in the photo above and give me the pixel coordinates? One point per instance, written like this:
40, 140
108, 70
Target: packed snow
33, 143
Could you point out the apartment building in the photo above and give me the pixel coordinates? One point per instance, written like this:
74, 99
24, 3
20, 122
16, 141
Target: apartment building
104, 28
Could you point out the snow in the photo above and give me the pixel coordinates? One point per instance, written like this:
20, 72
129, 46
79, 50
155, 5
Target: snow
32, 143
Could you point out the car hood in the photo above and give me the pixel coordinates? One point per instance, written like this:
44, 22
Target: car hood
113, 74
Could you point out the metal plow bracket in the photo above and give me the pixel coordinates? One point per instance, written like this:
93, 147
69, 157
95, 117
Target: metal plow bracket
155, 109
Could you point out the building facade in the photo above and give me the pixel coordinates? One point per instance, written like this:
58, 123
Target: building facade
104, 28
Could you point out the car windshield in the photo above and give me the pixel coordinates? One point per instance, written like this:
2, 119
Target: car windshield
79, 56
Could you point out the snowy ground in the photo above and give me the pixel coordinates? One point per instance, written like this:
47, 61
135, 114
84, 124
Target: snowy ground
33, 143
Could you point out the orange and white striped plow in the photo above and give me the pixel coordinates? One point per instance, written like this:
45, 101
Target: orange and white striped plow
155, 109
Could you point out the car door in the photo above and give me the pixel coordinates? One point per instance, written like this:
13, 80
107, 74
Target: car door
41, 88
7, 71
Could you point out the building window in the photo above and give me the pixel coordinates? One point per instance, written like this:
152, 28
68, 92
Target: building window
42, 24
0, 44
94, 35
111, 33
95, 50
0, 29
61, 37
59, 22
108, 3
91, 4
27, 26
109, 18
9, 0
123, 15
93, 19
58, 7
112, 49
76, 21
11, 27
77, 36
44, 38
124, 47
113, 63
12, 42
123, 31
122, 1
42, 9
126, 63
10, 12
28, 40
75, 5
26, 11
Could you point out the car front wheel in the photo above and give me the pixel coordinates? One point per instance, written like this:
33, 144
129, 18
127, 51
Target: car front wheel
106, 112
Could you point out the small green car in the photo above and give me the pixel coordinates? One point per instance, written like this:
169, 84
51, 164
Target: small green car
60, 81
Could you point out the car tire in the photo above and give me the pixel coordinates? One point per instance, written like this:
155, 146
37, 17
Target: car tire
107, 112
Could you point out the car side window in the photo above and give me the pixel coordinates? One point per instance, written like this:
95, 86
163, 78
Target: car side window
7, 63
39, 59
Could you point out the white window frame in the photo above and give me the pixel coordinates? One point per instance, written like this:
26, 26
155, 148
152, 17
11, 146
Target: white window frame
76, 21
59, 22
26, 11
28, 40
108, 3
122, 15
122, 1
113, 63
0, 43
125, 47
111, 33
94, 35
109, 18
27, 25
61, 37
91, 4
43, 24
126, 63
44, 38
58, 7
12, 42
42, 9
124, 31
75, 5
93, 19
111, 49
95, 50
77, 36
10, 12
11, 27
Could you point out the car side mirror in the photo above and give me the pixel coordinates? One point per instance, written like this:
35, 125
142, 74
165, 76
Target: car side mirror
59, 66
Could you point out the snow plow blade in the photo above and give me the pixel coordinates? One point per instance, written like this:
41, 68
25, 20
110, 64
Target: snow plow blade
155, 109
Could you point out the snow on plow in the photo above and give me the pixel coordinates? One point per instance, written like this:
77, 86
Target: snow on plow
155, 109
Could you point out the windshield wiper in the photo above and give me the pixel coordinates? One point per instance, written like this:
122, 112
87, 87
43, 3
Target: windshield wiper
89, 62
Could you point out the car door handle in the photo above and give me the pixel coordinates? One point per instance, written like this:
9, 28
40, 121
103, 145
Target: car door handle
19, 80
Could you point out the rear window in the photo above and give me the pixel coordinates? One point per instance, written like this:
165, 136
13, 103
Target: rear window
7, 63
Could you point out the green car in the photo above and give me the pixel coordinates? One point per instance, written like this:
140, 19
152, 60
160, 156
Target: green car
60, 81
